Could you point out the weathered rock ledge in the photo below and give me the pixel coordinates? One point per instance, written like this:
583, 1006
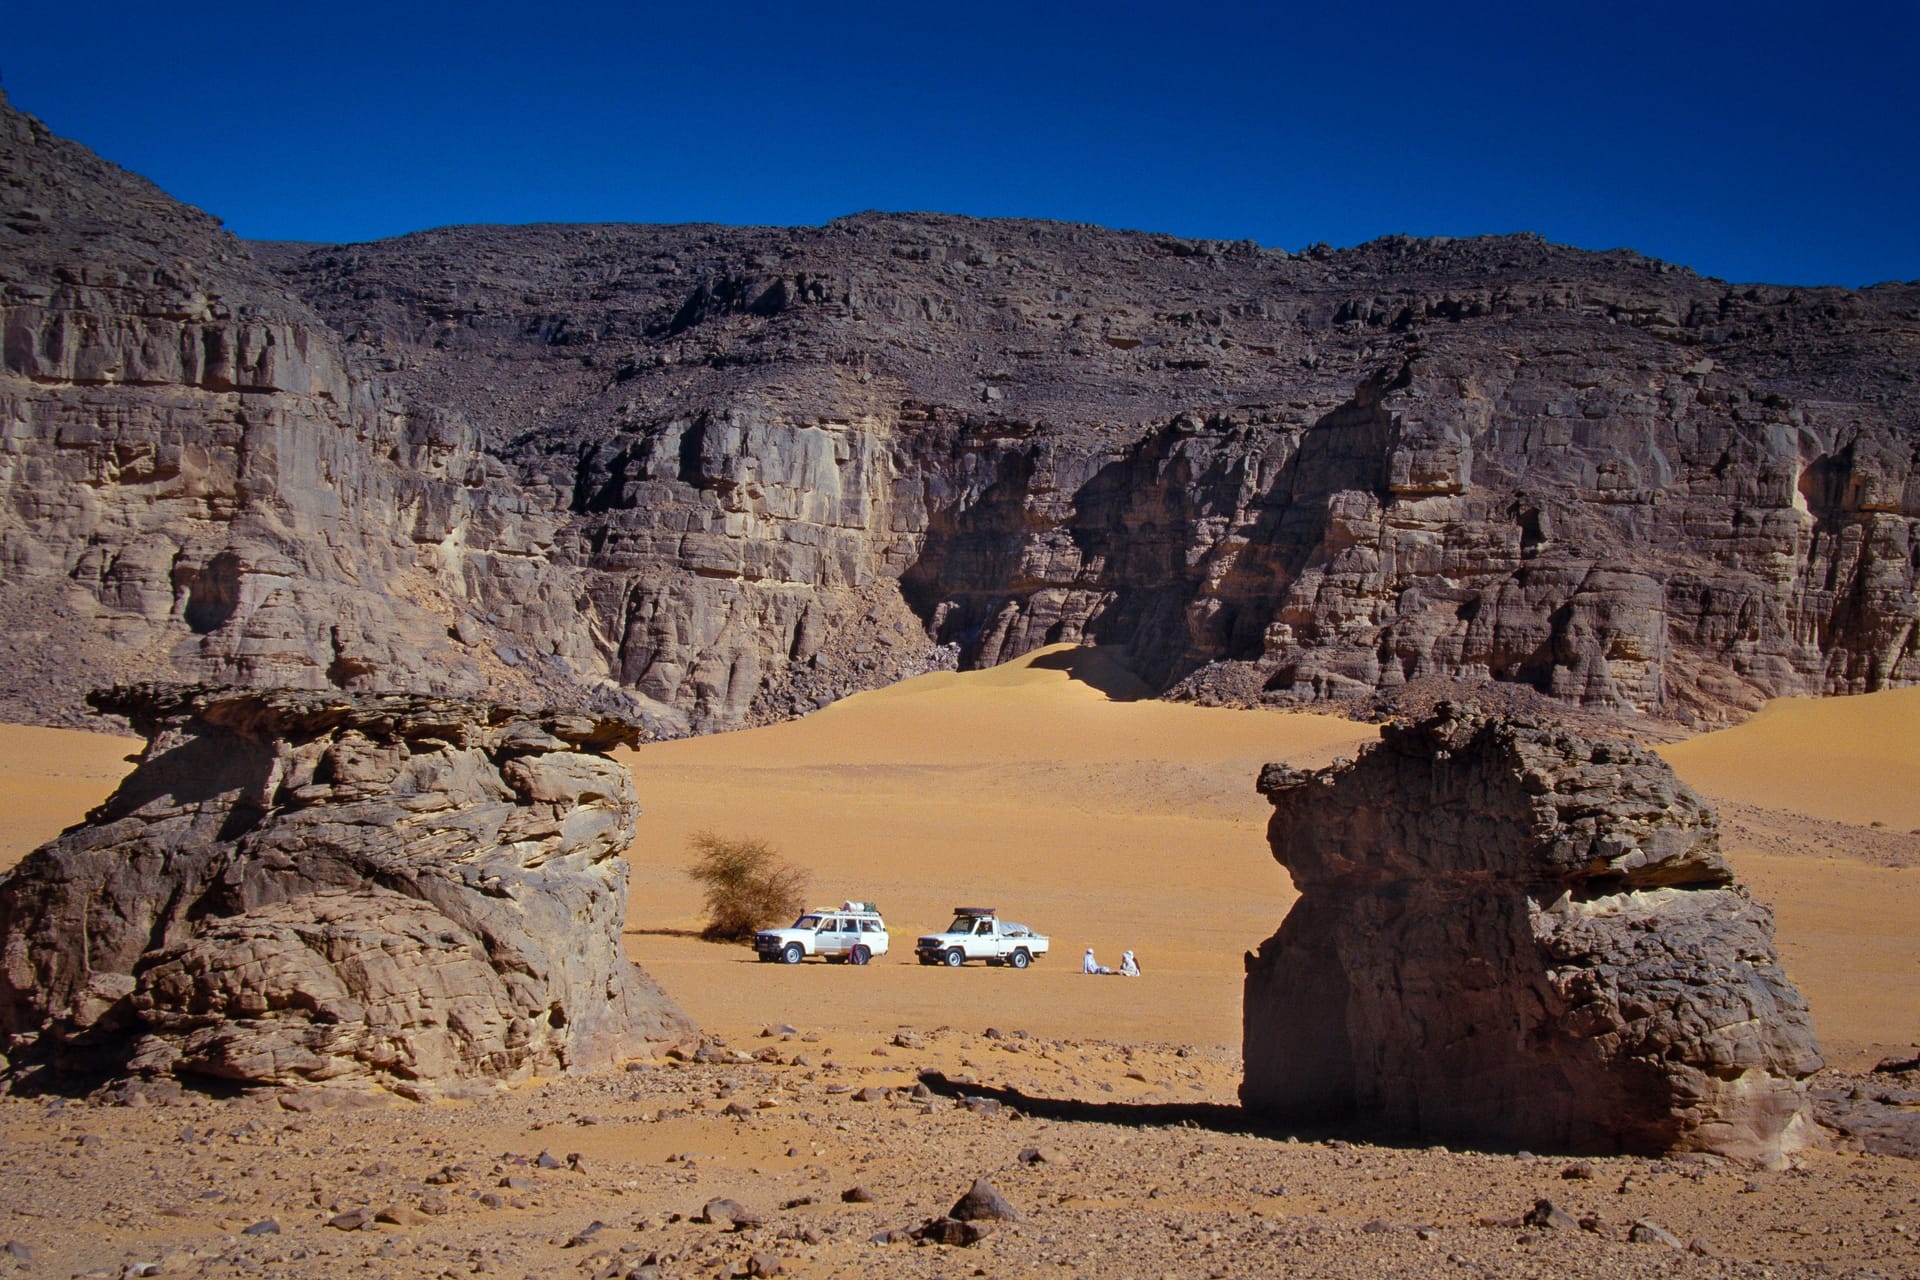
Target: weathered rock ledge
1512, 936
297, 886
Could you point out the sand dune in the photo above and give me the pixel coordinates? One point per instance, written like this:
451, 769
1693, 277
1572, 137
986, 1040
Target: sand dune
1845, 759
1110, 824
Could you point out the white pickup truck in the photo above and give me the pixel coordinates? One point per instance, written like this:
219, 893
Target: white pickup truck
978, 933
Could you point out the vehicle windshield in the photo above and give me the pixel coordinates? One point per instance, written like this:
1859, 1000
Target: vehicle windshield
961, 924
807, 922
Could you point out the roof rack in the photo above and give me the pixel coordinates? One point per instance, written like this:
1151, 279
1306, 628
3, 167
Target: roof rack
975, 911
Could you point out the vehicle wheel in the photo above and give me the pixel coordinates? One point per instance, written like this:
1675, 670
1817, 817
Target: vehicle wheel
859, 955
793, 954
924, 958
955, 957
1020, 959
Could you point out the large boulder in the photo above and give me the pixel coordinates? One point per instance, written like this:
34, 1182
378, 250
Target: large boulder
298, 886
1509, 935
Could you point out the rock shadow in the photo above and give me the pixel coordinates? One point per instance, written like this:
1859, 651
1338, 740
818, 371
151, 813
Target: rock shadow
1215, 1117
1103, 669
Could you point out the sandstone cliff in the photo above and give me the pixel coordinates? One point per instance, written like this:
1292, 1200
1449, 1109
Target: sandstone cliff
1511, 934
294, 887
717, 475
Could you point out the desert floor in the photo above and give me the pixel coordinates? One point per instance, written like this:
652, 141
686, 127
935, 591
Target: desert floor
1104, 822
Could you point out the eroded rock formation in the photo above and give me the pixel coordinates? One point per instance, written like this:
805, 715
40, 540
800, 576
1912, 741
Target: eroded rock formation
295, 887
1509, 935
712, 476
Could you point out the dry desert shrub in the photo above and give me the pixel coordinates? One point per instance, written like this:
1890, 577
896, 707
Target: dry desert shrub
748, 885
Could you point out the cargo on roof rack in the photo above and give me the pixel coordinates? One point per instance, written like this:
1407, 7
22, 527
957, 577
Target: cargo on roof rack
974, 911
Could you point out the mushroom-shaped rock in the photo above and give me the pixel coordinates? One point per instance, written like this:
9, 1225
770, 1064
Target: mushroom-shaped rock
1509, 934
296, 886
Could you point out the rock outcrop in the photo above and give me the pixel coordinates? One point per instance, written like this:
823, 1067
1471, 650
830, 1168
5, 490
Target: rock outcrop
1511, 936
714, 476
297, 886
198, 486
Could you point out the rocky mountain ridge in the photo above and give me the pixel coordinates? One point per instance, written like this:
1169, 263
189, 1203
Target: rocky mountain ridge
714, 476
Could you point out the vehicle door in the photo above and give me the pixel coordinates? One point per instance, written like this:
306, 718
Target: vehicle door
833, 938
986, 940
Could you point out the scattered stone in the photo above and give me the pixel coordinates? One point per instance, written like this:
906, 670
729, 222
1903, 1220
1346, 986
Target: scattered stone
857, 1195
729, 1214
873, 1093
585, 1235
1545, 1213
894, 1235
951, 1231
351, 1220
400, 1216
1579, 1170
983, 1203
763, 1264
1038, 1155
1646, 1231
264, 1227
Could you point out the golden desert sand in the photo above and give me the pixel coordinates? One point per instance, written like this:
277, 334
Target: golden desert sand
1043, 789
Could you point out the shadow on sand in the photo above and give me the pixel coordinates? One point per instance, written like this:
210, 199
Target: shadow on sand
1102, 669
1212, 1116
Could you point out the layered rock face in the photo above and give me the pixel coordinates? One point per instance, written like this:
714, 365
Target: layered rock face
715, 476
1510, 935
296, 887
197, 485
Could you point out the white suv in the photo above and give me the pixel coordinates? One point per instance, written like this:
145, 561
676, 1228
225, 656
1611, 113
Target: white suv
854, 933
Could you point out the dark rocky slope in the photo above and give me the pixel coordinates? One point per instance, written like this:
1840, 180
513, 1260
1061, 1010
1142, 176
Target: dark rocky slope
724, 474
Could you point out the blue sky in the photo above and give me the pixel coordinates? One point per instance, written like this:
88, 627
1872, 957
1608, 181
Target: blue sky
1758, 141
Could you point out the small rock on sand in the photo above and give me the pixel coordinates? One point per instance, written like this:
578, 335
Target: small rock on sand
983, 1203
